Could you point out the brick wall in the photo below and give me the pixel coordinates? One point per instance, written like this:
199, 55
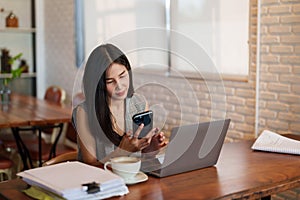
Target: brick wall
280, 66
279, 92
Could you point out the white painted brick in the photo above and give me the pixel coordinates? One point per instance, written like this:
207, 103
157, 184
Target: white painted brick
270, 20
279, 87
269, 78
283, 78
297, 49
270, 59
281, 49
296, 69
245, 93
290, 39
289, 1
296, 28
236, 100
250, 103
268, 114
270, 39
295, 108
279, 29
294, 60
262, 123
243, 127
280, 68
277, 106
269, 2
245, 111
289, 115
267, 95
277, 124
289, 98
262, 104
250, 120
236, 117
296, 89
295, 127
282, 9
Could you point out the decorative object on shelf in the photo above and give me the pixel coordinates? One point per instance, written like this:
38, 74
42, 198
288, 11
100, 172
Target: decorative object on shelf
5, 91
5, 65
24, 66
12, 20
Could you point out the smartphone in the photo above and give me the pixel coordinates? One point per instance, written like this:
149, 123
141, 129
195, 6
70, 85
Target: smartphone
146, 118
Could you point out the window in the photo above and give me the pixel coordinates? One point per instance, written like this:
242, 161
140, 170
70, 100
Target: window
219, 30
207, 34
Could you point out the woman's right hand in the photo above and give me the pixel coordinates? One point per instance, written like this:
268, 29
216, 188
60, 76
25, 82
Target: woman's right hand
132, 143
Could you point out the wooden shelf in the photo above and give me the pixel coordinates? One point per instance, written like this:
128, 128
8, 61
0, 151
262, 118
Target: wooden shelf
22, 39
17, 30
24, 75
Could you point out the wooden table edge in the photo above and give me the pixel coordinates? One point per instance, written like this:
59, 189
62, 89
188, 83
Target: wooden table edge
264, 191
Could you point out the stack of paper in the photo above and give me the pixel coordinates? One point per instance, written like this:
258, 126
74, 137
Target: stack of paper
67, 180
270, 141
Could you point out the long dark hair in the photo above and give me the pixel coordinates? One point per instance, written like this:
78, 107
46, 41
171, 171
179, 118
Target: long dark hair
103, 57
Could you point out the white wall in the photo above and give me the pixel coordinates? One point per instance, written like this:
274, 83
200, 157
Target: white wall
56, 20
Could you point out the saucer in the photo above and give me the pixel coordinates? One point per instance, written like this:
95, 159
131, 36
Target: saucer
140, 177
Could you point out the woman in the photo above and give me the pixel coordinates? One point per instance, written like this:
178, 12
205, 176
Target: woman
103, 121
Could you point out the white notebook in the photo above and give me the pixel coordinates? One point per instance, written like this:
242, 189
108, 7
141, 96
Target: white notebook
274, 142
66, 179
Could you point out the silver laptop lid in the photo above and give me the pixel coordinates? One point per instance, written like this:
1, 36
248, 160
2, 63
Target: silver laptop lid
194, 146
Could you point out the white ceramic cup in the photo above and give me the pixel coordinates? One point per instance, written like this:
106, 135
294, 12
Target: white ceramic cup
126, 167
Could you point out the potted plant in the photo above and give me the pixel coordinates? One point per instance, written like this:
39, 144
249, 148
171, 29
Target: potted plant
15, 73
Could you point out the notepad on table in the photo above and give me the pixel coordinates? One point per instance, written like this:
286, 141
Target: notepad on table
274, 142
66, 179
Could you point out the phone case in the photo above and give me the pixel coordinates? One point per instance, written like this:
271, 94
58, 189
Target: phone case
146, 118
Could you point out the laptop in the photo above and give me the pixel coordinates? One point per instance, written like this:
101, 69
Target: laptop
190, 147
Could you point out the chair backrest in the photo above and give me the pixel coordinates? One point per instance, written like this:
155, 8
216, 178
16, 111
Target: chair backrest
70, 156
55, 94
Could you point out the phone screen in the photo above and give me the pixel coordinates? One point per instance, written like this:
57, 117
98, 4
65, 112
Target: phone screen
146, 118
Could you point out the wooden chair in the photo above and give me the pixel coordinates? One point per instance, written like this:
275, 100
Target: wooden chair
57, 95
69, 143
70, 156
6, 166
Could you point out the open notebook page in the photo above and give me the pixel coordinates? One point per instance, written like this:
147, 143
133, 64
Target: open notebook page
273, 142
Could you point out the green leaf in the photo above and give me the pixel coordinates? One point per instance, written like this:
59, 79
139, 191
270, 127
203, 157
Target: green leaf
13, 59
16, 73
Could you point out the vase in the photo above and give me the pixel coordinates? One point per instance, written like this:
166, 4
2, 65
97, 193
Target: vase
5, 93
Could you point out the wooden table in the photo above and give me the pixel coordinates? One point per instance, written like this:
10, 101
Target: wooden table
239, 174
29, 111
